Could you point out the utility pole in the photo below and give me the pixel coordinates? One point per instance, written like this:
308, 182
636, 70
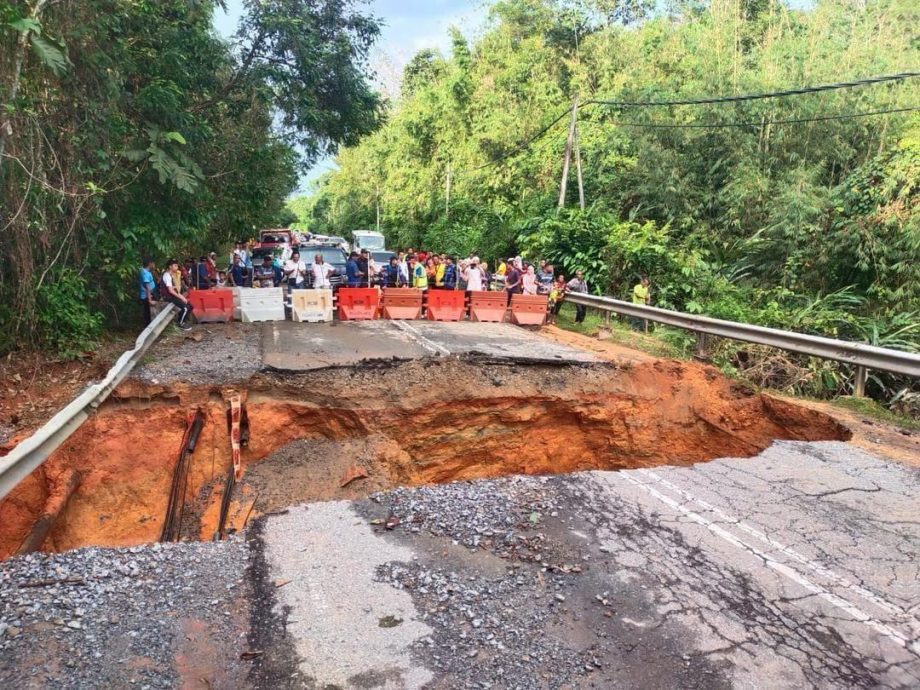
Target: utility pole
378, 208
581, 186
568, 154
447, 200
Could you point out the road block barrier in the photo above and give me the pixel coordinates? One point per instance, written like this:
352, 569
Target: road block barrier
358, 304
402, 303
261, 304
446, 305
211, 305
528, 310
488, 306
312, 306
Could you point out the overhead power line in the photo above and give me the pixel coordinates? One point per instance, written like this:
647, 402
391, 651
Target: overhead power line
760, 96
722, 99
716, 125
520, 147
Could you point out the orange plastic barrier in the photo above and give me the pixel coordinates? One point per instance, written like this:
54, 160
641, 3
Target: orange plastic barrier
528, 310
402, 303
212, 305
488, 306
356, 304
446, 305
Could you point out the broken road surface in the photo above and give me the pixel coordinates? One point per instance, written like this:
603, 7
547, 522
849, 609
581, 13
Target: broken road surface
797, 567
797, 570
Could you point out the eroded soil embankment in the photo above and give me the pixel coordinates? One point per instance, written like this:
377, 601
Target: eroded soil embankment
415, 423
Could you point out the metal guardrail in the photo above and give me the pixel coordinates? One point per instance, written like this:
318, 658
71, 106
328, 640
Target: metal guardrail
857, 354
33, 451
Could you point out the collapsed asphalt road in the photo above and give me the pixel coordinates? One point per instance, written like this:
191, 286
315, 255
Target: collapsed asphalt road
798, 567
795, 566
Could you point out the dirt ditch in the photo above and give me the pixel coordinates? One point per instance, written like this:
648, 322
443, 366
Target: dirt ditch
346, 433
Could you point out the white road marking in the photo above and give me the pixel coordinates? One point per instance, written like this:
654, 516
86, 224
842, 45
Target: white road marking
838, 580
794, 575
413, 333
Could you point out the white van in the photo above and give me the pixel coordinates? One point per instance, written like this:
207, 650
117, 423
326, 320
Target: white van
368, 239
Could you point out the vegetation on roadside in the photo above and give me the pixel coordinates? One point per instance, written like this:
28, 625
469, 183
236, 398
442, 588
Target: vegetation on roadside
131, 128
810, 225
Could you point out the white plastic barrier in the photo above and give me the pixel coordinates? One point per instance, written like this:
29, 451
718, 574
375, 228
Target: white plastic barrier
312, 306
261, 304
237, 315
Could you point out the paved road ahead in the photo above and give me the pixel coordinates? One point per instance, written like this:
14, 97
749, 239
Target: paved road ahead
304, 346
798, 567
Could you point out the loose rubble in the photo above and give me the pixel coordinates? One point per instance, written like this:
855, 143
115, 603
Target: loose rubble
210, 354
513, 602
122, 618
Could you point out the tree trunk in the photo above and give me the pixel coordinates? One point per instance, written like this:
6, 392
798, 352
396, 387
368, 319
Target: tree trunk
22, 49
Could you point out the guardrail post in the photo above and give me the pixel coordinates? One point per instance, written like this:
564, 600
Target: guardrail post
859, 383
702, 346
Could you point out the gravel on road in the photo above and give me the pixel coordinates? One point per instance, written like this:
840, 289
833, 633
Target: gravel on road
209, 354
153, 616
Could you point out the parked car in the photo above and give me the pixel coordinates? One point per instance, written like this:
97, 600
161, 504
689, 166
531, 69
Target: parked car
332, 254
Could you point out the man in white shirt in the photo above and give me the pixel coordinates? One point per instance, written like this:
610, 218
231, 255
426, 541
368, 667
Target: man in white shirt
175, 296
473, 275
321, 273
296, 272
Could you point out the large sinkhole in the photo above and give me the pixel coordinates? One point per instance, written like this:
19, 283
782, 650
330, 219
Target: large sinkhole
346, 433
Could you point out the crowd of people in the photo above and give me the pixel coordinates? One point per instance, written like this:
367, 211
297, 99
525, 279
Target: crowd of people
406, 269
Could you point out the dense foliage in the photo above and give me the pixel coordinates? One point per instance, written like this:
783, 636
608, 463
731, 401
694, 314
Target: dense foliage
131, 128
805, 225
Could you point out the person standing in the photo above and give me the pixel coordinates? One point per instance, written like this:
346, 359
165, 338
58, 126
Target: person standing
513, 276
264, 274
245, 254
202, 280
556, 295
238, 251
173, 295
394, 276
578, 284
364, 268
449, 275
353, 271
237, 272
147, 284
642, 294
295, 271
419, 275
321, 273
440, 267
473, 275
486, 276
545, 278
212, 268
529, 281
176, 272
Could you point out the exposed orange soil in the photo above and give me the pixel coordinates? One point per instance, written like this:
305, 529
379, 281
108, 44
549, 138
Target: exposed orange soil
477, 422
872, 435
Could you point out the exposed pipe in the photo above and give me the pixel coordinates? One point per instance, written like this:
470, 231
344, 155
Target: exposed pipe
55, 505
